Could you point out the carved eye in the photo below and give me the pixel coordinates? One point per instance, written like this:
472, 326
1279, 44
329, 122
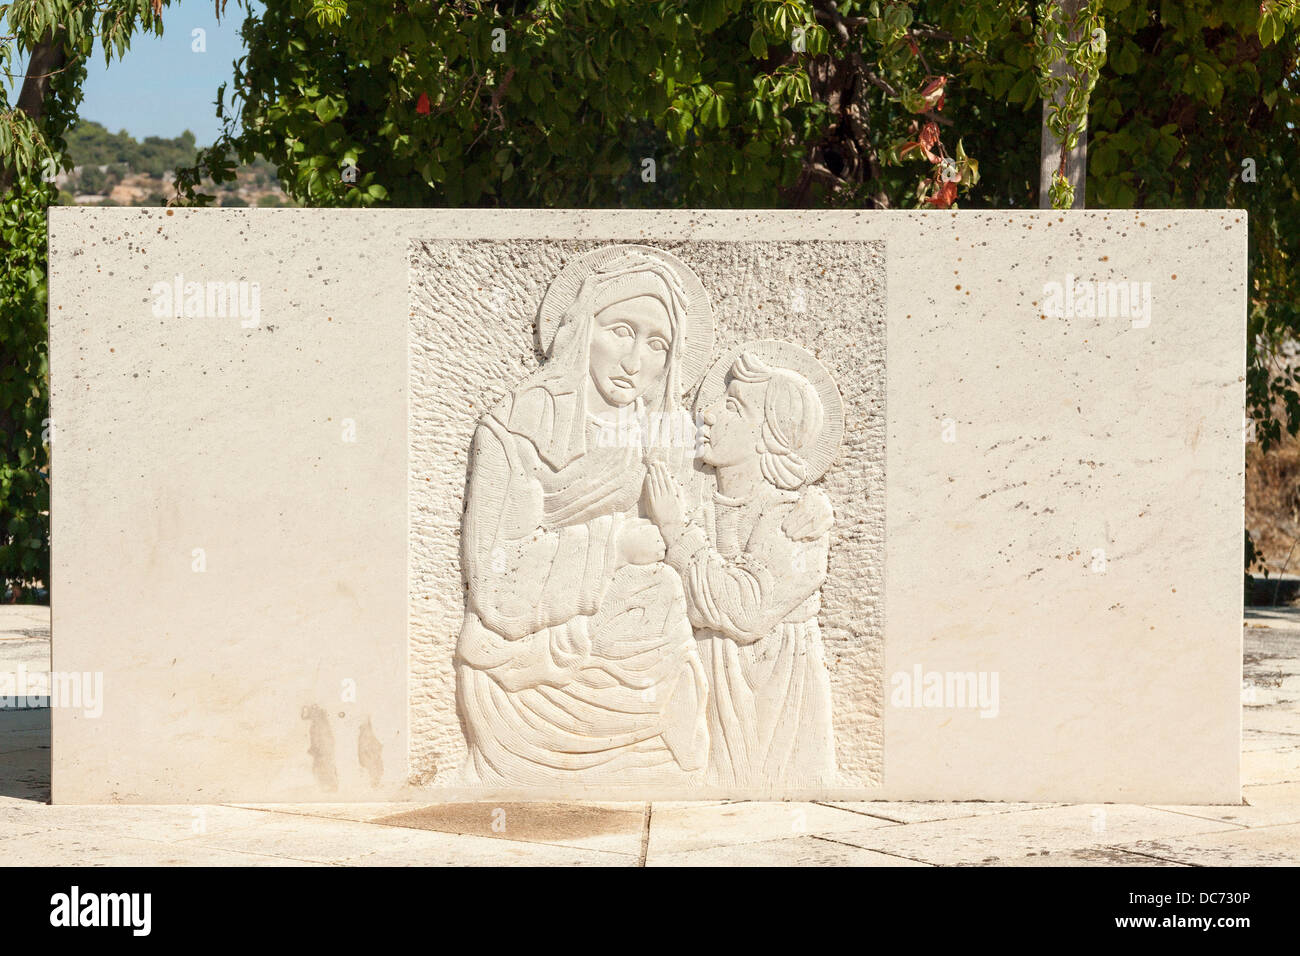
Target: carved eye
658, 344
622, 331
733, 405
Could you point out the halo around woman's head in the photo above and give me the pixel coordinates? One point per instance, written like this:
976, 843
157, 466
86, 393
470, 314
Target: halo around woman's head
697, 344
796, 359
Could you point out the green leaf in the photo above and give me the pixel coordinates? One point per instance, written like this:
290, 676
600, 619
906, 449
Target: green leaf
684, 123
327, 108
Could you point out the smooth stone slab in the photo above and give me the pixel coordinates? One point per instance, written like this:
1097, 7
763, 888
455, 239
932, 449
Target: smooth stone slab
1088, 856
1271, 766
24, 639
985, 839
160, 824
244, 551
441, 849
73, 848
356, 812
1273, 795
24, 622
1257, 846
366, 844
894, 812
1260, 812
790, 851
683, 829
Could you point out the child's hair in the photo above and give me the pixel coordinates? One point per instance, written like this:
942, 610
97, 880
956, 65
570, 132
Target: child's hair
792, 419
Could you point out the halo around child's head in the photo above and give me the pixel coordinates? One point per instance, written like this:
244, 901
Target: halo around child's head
796, 359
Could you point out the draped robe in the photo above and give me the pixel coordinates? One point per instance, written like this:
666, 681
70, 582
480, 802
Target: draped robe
569, 668
753, 594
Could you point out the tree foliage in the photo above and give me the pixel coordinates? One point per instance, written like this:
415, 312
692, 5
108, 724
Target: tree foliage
1197, 108
734, 102
90, 144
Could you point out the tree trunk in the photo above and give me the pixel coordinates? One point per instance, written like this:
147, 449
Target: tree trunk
48, 57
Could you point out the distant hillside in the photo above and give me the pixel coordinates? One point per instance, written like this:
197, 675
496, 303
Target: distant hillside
114, 169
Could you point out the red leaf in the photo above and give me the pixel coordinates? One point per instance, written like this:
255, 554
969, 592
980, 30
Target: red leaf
936, 84
945, 197
932, 92
928, 139
422, 104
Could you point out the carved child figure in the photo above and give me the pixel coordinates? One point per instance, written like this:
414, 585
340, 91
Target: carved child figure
752, 567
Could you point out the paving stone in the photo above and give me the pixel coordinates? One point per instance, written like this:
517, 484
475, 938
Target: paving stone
900, 812
1270, 766
15, 830
25, 774
1272, 795
160, 824
15, 740
74, 848
991, 837
695, 828
359, 812
1256, 846
790, 851
1088, 856
33, 654
24, 718
1264, 806
21, 622
1267, 740
426, 848
339, 841
1278, 720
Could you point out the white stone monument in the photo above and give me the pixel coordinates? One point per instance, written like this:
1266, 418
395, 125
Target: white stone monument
450, 505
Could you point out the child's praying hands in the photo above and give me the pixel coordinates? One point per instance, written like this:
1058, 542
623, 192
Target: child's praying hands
663, 499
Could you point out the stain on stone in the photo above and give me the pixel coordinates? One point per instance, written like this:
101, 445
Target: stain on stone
370, 753
529, 822
321, 749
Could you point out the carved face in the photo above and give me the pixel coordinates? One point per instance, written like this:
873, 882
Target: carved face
629, 348
731, 430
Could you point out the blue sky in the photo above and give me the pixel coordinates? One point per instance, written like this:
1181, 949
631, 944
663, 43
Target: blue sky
161, 86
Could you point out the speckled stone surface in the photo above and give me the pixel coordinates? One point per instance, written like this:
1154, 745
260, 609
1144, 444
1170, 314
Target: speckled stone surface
1062, 499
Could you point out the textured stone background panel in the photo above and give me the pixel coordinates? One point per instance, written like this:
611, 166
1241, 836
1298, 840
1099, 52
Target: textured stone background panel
473, 338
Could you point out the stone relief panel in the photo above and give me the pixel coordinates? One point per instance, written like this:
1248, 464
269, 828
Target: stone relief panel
646, 524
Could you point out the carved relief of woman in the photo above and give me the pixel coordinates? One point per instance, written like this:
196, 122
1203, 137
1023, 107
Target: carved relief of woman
576, 662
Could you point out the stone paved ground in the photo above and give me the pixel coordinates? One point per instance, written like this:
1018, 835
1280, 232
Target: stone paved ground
1264, 831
